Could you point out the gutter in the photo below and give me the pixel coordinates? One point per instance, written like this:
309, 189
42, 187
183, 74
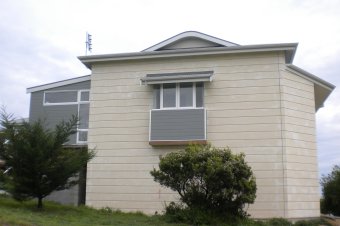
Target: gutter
290, 49
312, 77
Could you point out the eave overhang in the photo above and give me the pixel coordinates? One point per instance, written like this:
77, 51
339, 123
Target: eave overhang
58, 84
189, 34
322, 88
288, 48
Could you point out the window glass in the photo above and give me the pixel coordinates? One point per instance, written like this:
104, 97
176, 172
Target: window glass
169, 95
199, 94
186, 94
84, 96
83, 116
61, 97
156, 97
82, 136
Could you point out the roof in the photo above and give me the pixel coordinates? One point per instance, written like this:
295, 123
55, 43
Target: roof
322, 88
59, 83
289, 48
190, 34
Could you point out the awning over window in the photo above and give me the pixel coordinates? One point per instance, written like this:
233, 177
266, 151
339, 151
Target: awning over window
201, 76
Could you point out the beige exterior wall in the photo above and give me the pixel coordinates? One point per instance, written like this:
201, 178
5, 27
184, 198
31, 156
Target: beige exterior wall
253, 106
301, 174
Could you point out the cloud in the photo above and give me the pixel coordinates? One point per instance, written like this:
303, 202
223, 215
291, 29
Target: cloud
27, 60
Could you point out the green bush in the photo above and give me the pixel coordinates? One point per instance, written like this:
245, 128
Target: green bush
310, 223
331, 192
279, 222
210, 181
36, 161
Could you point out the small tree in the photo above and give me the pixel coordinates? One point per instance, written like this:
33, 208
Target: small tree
331, 192
36, 161
208, 179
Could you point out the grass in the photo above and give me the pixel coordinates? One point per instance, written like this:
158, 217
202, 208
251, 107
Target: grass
13, 213
25, 214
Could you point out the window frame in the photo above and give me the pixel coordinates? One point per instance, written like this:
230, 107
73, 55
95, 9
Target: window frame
78, 102
60, 103
66, 103
178, 107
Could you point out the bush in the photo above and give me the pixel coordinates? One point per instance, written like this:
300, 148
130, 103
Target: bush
279, 222
209, 181
36, 161
331, 192
315, 222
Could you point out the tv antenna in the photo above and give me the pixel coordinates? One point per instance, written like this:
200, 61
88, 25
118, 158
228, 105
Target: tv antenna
88, 43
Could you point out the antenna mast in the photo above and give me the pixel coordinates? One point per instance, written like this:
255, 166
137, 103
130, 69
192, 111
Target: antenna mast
88, 43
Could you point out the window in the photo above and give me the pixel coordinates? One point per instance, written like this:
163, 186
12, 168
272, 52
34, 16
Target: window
84, 96
59, 97
178, 95
82, 136
186, 94
73, 97
169, 95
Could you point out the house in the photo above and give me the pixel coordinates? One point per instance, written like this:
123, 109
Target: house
194, 88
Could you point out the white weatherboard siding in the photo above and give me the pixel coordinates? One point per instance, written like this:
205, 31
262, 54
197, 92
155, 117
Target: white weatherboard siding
253, 106
301, 177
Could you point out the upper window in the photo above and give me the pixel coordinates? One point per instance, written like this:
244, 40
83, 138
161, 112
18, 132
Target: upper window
178, 95
66, 97
84, 96
61, 97
79, 98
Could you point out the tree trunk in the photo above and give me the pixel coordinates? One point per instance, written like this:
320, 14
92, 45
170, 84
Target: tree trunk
40, 204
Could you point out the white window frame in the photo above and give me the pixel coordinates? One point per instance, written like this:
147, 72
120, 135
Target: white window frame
161, 107
66, 103
60, 103
82, 130
79, 102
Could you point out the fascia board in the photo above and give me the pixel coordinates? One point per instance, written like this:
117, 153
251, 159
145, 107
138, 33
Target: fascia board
310, 77
58, 84
188, 34
88, 60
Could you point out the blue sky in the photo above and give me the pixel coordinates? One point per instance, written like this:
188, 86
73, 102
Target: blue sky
40, 41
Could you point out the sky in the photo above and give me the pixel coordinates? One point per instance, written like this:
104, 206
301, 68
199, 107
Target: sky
41, 39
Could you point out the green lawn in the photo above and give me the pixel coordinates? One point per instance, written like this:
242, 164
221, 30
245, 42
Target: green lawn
13, 213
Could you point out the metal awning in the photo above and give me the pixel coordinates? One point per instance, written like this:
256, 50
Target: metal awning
201, 76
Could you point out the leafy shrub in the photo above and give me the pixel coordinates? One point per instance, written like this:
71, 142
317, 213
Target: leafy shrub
209, 180
279, 222
331, 192
316, 222
176, 213
36, 161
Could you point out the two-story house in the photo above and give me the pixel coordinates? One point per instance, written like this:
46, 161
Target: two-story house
193, 87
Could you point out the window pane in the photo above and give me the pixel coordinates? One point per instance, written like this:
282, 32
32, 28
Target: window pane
82, 136
83, 116
186, 94
61, 97
199, 94
169, 95
84, 96
156, 97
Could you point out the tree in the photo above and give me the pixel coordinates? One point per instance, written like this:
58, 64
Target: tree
36, 160
331, 192
208, 178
